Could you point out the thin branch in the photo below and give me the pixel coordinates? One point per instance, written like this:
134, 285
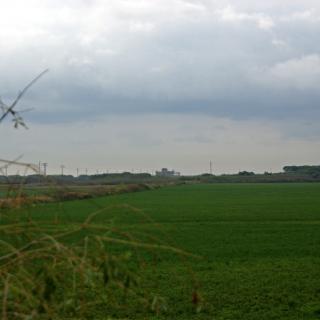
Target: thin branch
16, 162
10, 109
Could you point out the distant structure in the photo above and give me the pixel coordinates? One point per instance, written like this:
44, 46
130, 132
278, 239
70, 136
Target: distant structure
45, 165
167, 173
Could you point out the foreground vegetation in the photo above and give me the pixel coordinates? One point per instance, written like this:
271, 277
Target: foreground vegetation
258, 248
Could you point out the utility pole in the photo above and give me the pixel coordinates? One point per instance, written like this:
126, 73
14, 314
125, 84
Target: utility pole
45, 168
210, 167
62, 167
39, 171
77, 172
86, 171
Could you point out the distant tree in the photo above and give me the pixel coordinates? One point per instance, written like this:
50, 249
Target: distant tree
309, 170
246, 173
206, 175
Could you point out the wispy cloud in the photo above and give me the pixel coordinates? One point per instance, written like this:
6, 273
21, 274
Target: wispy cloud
230, 14
301, 73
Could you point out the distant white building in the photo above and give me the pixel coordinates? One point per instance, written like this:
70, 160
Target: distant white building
167, 173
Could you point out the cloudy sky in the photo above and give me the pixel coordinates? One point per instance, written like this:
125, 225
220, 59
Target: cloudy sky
145, 84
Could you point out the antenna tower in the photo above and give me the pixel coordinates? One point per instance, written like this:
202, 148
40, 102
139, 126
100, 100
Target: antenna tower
45, 165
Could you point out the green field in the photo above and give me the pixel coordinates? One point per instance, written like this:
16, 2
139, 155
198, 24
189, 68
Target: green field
259, 247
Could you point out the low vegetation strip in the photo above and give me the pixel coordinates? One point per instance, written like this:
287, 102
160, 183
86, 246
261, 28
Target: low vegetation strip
17, 196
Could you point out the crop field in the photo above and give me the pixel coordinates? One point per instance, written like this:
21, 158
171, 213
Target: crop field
253, 249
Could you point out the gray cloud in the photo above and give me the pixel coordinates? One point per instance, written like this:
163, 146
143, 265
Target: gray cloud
120, 56
245, 61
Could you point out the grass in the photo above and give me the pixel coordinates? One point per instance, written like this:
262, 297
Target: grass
259, 246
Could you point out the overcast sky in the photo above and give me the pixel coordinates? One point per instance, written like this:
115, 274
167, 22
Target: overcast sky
145, 84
